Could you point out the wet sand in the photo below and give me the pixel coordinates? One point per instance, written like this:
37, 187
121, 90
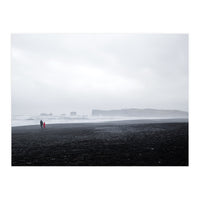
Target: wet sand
124, 143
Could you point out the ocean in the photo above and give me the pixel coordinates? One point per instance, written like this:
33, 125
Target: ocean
27, 119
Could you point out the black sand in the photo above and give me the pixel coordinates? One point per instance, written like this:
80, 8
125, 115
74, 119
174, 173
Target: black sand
126, 143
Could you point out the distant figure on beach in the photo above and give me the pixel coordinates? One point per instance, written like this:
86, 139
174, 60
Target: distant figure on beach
41, 123
44, 124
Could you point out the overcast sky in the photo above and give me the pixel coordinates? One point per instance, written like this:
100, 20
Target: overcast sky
60, 73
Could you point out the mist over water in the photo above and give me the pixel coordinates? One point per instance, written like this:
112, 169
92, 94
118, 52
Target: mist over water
25, 119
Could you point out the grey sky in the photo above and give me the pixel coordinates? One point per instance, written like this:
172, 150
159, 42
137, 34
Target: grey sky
60, 73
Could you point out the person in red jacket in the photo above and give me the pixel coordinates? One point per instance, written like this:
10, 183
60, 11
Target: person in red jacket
44, 124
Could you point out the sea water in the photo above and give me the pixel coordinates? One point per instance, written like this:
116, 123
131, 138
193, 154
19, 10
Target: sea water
27, 119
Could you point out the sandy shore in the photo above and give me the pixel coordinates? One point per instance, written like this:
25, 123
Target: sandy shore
125, 143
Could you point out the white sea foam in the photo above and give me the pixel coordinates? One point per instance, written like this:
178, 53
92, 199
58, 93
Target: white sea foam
23, 120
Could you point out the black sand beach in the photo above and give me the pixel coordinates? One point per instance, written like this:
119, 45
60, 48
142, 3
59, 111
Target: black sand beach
125, 143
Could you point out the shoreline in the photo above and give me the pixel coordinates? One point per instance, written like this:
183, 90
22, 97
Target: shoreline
132, 121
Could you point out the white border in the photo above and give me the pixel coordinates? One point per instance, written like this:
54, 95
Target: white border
105, 16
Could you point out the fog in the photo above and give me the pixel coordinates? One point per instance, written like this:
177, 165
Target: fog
60, 73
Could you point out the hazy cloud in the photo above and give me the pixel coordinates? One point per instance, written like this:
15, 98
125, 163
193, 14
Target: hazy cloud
62, 72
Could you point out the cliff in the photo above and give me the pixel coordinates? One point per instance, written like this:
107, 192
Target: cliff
134, 112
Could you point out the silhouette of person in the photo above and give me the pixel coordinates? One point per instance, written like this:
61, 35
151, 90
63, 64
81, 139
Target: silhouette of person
44, 125
41, 123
